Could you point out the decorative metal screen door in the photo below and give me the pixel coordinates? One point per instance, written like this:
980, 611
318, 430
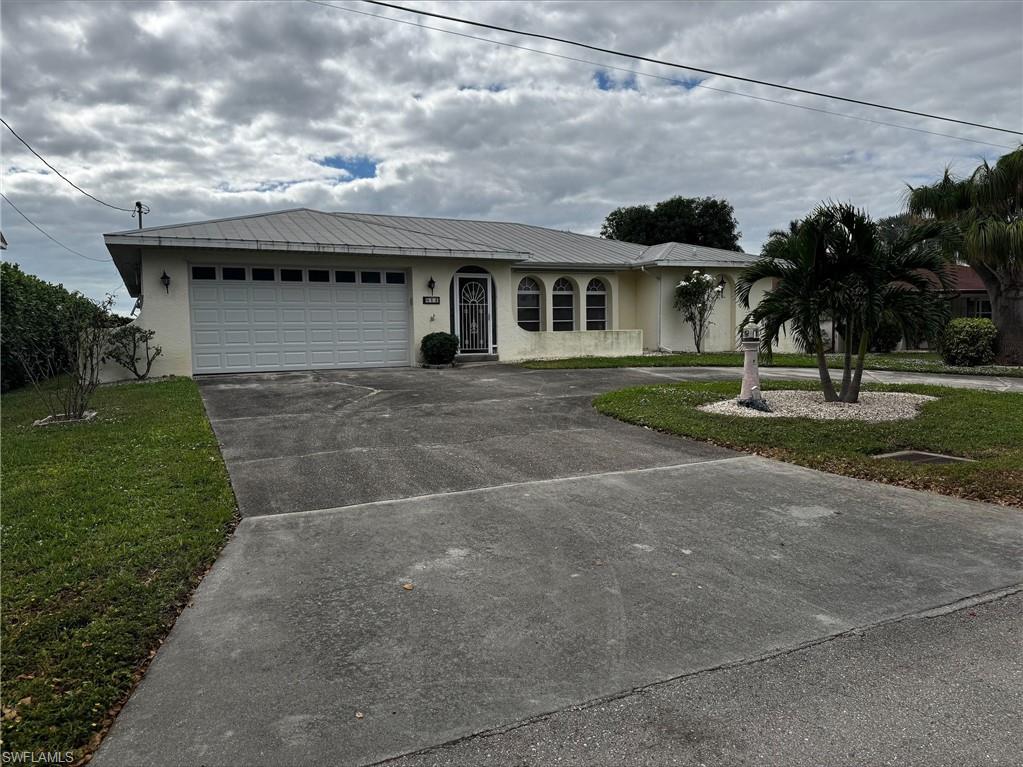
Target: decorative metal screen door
473, 314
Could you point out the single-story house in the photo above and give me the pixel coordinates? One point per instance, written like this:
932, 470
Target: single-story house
970, 298
305, 289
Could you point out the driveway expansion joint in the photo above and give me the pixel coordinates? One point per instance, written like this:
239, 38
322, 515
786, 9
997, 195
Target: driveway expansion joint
266, 518
931, 613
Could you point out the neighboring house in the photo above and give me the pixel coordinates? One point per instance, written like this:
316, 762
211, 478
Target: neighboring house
970, 298
303, 289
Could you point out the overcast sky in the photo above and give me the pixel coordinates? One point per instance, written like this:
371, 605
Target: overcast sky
212, 109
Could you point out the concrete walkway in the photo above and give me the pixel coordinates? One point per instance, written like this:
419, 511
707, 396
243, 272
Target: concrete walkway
556, 558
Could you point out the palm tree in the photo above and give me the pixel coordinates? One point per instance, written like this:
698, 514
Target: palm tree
983, 215
836, 263
796, 261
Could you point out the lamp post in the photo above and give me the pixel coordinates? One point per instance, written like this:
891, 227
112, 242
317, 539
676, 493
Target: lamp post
750, 394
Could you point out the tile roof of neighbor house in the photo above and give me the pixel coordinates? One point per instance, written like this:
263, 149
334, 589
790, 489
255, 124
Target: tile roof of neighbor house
967, 280
313, 231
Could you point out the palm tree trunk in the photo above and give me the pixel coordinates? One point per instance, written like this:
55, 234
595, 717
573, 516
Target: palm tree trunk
822, 369
1007, 314
847, 361
853, 395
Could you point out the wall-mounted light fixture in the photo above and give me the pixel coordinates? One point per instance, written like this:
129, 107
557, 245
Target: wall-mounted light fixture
721, 282
165, 279
431, 285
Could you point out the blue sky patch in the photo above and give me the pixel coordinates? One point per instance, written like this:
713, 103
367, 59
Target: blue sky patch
607, 82
358, 166
688, 83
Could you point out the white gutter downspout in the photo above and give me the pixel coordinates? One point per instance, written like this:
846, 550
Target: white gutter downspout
660, 311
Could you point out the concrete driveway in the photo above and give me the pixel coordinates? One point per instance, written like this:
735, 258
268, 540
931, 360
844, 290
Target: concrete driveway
558, 558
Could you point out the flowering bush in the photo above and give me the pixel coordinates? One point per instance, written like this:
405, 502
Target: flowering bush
695, 297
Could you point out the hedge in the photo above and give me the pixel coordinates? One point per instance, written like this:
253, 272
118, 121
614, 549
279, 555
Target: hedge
30, 313
969, 341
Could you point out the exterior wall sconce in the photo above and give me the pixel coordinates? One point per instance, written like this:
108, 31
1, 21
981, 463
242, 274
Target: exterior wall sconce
431, 285
721, 282
165, 280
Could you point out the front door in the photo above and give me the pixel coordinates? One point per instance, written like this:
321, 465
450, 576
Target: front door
472, 313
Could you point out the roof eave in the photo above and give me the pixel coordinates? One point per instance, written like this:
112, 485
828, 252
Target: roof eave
722, 264
114, 240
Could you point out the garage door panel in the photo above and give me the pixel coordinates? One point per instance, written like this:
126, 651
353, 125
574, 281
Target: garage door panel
205, 362
211, 316
266, 336
321, 315
235, 295
236, 337
206, 338
205, 293
261, 294
238, 360
240, 325
236, 315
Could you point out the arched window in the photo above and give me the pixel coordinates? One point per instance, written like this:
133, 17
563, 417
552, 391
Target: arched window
527, 304
563, 305
596, 305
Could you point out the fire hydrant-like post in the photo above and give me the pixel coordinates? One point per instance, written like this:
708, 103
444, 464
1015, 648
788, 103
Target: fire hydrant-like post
750, 394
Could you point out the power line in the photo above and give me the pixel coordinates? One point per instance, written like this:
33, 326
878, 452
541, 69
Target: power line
43, 159
664, 78
675, 65
47, 234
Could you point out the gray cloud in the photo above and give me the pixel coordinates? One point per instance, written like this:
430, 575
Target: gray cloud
219, 109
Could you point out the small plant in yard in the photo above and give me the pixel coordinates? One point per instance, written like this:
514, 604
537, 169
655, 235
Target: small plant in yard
439, 348
129, 347
695, 298
65, 375
969, 341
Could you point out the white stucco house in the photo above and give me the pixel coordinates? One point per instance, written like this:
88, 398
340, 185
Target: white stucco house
305, 289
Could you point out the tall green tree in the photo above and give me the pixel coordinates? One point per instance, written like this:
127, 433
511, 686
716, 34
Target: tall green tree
694, 220
838, 264
983, 218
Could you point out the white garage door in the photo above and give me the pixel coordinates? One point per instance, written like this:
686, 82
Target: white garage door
287, 318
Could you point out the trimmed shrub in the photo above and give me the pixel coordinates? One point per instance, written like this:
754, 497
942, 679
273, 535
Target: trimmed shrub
886, 337
968, 342
439, 348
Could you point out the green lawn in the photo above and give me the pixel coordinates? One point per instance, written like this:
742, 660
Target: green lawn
987, 426
907, 362
107, 527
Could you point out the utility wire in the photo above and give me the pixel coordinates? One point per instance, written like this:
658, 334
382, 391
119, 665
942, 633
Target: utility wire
43, 159
664, 78
47, 234
687, 67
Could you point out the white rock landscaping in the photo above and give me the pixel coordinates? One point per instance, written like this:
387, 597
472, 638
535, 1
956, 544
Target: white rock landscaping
873, 406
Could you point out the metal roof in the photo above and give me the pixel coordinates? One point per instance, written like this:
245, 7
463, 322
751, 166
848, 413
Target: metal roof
683, 254
313, 231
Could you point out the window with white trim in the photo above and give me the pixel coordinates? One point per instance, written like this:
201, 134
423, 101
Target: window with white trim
596, 305
563, 305
527, 304
978, 307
